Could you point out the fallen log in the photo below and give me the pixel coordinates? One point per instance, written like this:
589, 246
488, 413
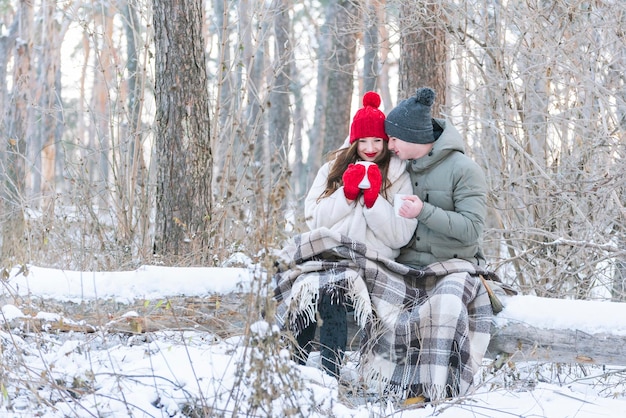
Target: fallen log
525, 343
528, 328
550, 330
222, 315
560, 331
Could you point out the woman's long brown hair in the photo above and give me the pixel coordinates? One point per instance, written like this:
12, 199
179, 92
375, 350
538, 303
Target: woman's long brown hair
345, 156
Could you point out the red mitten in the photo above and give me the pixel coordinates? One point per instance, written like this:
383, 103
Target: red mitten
351, 179
376, 181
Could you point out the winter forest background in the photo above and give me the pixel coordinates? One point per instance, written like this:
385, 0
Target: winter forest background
186, 134
180, 133
140, 132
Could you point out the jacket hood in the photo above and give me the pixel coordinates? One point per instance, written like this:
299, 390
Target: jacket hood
449, 141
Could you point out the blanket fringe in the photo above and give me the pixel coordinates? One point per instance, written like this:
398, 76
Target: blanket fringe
375, 368
306, 306
305, 298
362, 307
435, 392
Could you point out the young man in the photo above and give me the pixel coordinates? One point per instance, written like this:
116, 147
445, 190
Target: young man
449, 188
449, 203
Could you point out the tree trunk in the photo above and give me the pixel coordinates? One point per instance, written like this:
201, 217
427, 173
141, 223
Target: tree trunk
384, 84
99, 129
184, 159
298, 171
14, 172
49, 129
370, 44
423, 56
133, 210
227, 141
254, 64
317, 133
344, 16
279, 112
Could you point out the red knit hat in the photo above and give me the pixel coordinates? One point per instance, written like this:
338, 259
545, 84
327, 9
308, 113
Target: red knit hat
368, 121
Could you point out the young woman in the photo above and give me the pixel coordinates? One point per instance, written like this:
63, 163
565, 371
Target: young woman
366, 215
353, 194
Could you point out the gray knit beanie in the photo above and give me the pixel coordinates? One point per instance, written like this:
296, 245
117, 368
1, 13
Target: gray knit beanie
411, 120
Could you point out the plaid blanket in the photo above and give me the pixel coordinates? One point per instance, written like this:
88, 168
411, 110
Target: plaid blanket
426, 328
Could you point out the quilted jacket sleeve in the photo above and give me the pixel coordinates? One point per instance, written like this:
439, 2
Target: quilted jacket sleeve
466, 222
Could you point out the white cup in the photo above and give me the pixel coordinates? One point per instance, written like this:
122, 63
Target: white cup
365, 183
398, 201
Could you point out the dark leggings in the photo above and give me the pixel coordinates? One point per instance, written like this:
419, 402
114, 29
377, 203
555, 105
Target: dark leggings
333, 335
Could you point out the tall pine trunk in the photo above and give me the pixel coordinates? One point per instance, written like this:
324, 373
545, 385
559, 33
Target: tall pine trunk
423, 57
184, 159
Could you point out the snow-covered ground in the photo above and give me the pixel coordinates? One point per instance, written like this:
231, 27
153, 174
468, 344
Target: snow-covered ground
195, 373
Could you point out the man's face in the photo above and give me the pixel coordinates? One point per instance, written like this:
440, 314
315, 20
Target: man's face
408, 150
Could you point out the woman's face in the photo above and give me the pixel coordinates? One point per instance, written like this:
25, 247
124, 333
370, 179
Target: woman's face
370, 148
